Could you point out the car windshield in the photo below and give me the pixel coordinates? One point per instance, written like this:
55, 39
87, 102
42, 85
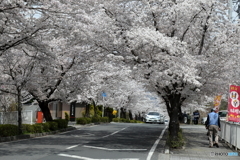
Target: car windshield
153, 113
222, 114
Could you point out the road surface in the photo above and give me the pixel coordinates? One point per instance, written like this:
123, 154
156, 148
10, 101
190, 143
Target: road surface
111, 141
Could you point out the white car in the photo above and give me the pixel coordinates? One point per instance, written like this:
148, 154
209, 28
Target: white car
154, 117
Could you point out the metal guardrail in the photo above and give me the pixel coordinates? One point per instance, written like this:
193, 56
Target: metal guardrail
230, 133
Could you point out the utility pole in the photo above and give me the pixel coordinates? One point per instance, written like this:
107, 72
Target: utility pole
103, 107
103, 96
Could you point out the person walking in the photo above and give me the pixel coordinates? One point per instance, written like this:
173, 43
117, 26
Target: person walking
185, 117
196, 116
188, 118
213, 125
206, 123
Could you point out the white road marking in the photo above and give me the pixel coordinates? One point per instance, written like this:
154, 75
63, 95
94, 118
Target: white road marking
86, 158
72, 147
108, 149
155, 144
114, 133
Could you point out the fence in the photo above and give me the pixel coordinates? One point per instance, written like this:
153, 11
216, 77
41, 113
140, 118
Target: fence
9, 117
12, 117
230, 134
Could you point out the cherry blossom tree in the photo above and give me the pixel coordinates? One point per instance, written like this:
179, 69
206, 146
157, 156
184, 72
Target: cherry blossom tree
54, 33
37, 30
178, 46
16, 71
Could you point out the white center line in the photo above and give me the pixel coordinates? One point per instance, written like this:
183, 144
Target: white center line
72, 147
155, 144
114, 133
86, 158
102, 148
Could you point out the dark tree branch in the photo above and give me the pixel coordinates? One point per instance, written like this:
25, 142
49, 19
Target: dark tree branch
52, 90
155, 21
205, 28
188, 27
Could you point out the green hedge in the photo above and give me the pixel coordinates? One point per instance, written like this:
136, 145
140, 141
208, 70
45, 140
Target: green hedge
46, 127
82, 121
62, 123
8, 130
95, 119
12, 130
53, 126
104, 119
125, 120
27, 128
38, 128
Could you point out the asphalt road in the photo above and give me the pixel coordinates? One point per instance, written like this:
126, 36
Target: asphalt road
112, 141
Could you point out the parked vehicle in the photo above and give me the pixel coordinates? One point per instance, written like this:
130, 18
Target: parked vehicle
154, 117
223, 114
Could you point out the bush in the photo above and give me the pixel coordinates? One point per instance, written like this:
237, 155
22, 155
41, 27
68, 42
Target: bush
67, 116
133, 121
38, 128
81, 120
95, 119
8, 130
53, 126
104, 119
62, 123
27, 128
125, 120
115, 119
46, 127
121, 120
88, 120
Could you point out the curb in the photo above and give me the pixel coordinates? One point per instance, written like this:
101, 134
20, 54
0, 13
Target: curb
166, 152
20, 137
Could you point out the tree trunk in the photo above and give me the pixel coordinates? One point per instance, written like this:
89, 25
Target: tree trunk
95, 108
174, 125
173, 103
19, 112
136, 116
123, 113
130, 115
87, 112
46, 112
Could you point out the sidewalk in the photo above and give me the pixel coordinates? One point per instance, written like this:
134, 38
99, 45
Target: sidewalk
197, 147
